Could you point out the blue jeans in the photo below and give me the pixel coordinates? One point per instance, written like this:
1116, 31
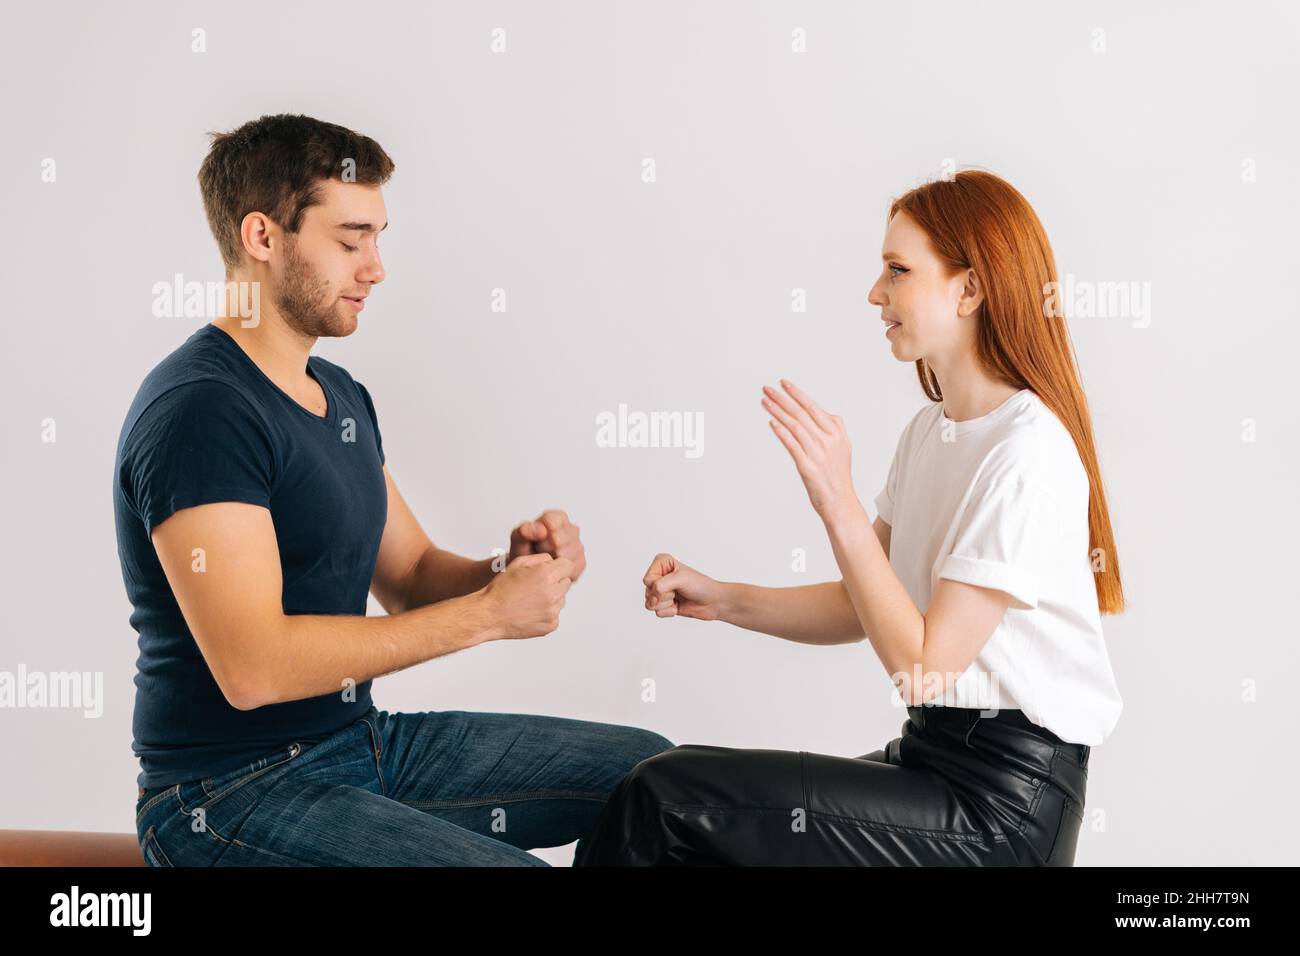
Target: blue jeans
442, 788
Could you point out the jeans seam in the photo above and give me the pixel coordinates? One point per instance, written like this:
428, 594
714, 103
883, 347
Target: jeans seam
978, 837
229, 788
208, 829
512, 797
151, 836
377, 750
156, 799
273, 853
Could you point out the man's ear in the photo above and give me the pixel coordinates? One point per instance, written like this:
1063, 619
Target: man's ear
256, 232
972, 295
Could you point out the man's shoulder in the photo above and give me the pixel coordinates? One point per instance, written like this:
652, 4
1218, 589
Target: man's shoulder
194, 376
198, 358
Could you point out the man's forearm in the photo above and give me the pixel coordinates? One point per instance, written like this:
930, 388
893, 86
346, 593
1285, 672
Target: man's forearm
309, 655
809, 614
440, 575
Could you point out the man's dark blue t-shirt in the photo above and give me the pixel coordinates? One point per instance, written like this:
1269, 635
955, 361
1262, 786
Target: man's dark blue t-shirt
208, 425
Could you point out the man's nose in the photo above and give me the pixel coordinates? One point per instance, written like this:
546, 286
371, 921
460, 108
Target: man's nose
373, 271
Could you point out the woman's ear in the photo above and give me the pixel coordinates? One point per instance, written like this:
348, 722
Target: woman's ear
972, 295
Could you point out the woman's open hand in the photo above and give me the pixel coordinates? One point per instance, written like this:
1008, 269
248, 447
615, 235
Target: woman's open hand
818, 443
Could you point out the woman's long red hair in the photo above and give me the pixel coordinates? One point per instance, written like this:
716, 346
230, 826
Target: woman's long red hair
979, 221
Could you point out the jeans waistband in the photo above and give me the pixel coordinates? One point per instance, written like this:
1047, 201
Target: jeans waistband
366, 726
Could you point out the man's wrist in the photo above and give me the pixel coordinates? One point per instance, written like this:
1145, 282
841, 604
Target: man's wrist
483, 617
487, 569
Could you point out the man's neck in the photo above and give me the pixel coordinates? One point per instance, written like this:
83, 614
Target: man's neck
275, 348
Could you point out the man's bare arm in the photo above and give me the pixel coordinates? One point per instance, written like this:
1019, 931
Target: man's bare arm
411, 571
441, 574
258, 655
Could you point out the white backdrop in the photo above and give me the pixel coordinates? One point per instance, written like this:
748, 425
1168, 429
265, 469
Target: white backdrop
1157, 143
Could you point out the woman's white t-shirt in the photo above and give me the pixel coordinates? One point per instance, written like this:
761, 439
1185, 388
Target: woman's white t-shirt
1001, 501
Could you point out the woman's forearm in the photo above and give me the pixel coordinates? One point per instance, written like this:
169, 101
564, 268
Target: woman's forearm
886, 612
810, 614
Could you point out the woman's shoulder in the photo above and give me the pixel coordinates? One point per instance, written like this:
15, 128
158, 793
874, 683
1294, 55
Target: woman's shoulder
923, 422
1035, 447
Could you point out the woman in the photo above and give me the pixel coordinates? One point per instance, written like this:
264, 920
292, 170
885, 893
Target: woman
980, 586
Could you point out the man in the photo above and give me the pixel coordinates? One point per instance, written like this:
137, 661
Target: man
255, 512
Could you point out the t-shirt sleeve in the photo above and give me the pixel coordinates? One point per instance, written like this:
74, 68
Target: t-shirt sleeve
198, 443
885, 500
374, 419
1005, 539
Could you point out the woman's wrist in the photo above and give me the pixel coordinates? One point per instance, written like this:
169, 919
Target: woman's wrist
848, 513
730, 601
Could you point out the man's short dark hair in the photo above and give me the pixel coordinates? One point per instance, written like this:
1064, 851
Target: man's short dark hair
275, 165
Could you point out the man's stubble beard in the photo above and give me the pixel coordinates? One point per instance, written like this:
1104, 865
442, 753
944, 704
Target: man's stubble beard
303, 299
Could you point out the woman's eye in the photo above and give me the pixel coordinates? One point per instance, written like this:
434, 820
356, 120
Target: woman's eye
895, 270
347, 247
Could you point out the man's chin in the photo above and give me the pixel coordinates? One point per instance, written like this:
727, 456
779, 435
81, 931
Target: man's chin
339, 325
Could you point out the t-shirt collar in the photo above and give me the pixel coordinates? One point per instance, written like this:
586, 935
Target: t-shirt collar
983, 421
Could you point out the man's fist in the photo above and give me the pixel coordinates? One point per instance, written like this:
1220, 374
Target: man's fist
529, 594
552, 534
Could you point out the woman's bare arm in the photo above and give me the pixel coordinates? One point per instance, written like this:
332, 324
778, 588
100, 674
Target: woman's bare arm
808, 614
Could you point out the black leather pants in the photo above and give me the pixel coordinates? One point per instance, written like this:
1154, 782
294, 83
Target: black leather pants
955, 789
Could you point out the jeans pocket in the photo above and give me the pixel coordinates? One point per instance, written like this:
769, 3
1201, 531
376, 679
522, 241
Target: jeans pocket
152, 849
214, 788
146, 803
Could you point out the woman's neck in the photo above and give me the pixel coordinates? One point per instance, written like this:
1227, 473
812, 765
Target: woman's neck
970, 392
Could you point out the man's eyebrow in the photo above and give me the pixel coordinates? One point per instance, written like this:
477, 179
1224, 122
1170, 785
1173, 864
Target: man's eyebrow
361, 226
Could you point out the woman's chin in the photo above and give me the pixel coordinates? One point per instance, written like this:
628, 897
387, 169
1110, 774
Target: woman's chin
901, 352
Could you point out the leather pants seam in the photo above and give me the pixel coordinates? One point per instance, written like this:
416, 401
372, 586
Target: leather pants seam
803, 781
1042, 789
977, 837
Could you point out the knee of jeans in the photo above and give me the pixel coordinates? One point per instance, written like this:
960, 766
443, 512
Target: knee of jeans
650, 743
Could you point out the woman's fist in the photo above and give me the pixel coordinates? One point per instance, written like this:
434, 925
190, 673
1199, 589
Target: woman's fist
672, 588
